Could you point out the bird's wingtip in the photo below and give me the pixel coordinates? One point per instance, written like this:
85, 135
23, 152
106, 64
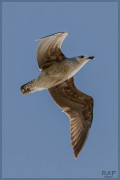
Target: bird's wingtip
65, 33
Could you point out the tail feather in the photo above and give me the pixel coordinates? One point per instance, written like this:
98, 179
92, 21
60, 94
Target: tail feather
27, 88
32, 86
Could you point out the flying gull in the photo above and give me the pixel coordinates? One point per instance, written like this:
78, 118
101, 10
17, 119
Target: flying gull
57, 73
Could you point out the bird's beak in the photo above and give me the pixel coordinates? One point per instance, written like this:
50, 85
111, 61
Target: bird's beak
91, 57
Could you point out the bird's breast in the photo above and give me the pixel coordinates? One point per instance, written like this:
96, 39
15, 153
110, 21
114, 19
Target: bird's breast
60, 72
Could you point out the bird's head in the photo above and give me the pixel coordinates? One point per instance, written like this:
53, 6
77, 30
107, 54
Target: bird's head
84, 58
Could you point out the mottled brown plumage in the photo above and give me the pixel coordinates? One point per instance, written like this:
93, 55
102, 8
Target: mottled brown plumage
49, 50
79, 107
57, 73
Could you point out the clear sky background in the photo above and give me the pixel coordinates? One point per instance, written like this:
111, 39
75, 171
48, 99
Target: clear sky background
36, 134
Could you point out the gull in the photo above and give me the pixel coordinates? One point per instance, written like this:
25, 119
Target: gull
56, 76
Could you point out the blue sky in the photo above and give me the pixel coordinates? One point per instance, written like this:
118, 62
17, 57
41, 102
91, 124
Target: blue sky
36, 134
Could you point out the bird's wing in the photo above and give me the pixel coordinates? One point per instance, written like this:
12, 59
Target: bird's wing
79, 107
49, 50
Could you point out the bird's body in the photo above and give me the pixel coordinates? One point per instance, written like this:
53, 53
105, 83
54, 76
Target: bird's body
57, 73
54, 75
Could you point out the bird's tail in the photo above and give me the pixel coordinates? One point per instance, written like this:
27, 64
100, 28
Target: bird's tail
28, 88
32, 86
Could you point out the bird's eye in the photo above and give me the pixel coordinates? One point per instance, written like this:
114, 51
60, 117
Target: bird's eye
82, 56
